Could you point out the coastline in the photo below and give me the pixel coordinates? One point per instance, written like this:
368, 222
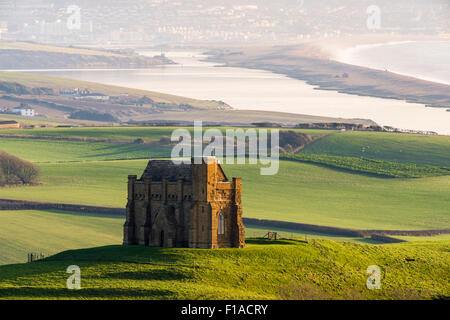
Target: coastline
313, 62
27, 55
58, 107
355, 56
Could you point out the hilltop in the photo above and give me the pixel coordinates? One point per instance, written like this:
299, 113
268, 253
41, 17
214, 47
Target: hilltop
371, 181
283, 269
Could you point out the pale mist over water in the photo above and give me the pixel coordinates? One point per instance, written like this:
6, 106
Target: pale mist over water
427, 60
262, 90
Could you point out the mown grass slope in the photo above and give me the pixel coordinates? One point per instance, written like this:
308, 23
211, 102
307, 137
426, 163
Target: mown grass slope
284, 269
399, 147
52, 231
130, 133
77, 151
374, 167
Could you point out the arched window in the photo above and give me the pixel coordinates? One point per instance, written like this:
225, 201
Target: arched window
221, 224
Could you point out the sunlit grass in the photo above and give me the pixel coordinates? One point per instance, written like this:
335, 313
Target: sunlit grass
263, 270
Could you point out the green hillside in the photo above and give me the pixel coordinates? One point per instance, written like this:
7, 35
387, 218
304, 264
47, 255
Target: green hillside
53, 231
58, 231
129, 133
300, 192
42, 81
285, 269
328, 184
78, 151
381, 168
399, 147
396, 147
315, 189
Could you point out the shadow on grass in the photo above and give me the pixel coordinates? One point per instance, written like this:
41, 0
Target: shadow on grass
89, 293
87, 214
264, 241
119, 253
149, 275
131, 151
346, 170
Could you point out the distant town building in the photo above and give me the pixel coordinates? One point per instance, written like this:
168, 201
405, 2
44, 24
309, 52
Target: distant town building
25, 111
93, 96
83, 94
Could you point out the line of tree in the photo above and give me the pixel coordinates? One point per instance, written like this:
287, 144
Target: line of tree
15, 171
93, 116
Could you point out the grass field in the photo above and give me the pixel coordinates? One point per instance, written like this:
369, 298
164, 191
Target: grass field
400, 147
78, 173
373, 167
309, 194
40, 120
130, 133
430, 238
286, 269
397, 147
52, 231
77, 151
58, 151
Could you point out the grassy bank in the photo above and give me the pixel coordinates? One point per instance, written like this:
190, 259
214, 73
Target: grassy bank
53, 231
380, 168
77, 151
58, 231
284, 269
130, 133
398, 147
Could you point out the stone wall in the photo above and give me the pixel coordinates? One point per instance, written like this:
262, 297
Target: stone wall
182, 206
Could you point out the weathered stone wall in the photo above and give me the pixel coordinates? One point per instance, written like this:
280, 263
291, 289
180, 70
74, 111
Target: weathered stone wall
183, 212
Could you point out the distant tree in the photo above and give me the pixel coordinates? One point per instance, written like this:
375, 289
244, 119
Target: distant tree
14, 170
93, 116
291, 140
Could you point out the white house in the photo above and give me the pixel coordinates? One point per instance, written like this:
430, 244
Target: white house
25, 111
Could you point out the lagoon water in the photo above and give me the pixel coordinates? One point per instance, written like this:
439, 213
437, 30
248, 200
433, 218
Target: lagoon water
261, 90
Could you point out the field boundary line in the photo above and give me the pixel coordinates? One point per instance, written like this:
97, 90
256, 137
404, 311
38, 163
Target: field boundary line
83, 139
379, 235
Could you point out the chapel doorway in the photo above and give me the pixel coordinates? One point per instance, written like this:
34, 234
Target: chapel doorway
161, 243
